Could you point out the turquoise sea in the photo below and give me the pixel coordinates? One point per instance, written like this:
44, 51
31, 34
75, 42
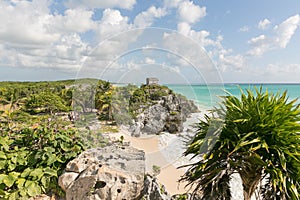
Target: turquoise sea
207, 96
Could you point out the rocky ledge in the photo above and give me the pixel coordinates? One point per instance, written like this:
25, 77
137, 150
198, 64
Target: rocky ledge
112, 173
166, 112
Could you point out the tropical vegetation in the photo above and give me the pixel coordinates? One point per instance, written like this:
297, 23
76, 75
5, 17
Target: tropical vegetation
32, 158
256, 136
39, 134
37, 139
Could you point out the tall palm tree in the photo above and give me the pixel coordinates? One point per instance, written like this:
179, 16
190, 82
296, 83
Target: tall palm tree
257, 136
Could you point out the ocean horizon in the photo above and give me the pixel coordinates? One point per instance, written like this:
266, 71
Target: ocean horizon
208, 96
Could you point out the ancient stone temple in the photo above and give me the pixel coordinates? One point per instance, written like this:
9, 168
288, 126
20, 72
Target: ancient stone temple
152, 81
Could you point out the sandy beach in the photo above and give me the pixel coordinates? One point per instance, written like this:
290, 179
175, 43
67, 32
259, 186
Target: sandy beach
164, 151
169, 174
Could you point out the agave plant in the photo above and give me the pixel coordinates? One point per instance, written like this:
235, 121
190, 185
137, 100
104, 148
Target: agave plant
257, 136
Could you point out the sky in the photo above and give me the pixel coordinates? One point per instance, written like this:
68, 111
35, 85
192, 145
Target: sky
177, 41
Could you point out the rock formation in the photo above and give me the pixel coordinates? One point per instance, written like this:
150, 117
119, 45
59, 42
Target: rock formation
112, 172
166, 114
154, 190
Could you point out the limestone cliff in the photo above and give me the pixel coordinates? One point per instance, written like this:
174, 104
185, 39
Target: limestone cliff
157, 108
113, 172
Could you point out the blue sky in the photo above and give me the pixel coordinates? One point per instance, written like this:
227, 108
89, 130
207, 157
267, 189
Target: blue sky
178, 41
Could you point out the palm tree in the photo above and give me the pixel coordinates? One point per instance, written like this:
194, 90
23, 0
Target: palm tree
257, 136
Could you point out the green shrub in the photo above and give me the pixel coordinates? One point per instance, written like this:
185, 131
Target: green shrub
174, 113
45, 102
32, 159
182, 197
156, 169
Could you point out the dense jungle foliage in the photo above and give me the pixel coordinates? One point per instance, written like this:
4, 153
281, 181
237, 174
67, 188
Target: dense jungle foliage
37, 138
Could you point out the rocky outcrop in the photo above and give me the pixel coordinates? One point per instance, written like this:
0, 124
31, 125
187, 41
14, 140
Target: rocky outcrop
166, 114
112, 172
154, 190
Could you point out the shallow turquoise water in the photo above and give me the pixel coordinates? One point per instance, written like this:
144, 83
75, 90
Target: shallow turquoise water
208, 95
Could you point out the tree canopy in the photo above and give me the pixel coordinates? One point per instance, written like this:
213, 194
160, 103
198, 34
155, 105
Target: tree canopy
46, 102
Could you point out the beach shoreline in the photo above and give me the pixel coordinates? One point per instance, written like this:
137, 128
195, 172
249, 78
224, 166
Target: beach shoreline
164, 151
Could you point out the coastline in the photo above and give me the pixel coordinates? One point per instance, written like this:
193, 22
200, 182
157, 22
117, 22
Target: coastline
165, 151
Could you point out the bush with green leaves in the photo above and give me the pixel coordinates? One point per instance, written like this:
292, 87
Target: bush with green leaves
45, 102
31, 159
257, 136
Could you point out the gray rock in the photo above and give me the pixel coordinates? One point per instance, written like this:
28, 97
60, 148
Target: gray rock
66, 179
154, 190
166, 114
112, 172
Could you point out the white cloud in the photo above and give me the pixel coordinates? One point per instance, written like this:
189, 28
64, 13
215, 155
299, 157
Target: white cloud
103, 59
236, 62
149, 60
126, 4
70, 47
172, 3
187, 52
74, 20
281, 73
199, 36
260, 44
32, 36
112, 23
286, 30
257, 40
67, 53
264, 24
113, 17
112, 31
108, 50
146, 18
190, 13
223, 58
25, 24
283, 68
184, 28
131, 65
244, 29
282, 36
115, 32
